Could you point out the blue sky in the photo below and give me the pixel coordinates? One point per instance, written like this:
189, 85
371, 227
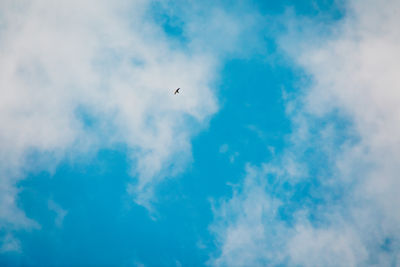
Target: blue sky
282, 148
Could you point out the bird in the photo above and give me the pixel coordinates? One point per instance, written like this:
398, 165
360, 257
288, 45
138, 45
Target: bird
177, 91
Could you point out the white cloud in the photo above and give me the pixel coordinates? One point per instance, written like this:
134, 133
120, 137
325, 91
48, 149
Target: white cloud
232, 155
354, 74
79, 76
60, 212
240, 225
10, 244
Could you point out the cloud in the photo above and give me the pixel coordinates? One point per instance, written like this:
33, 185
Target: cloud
232, 155
239, 225
339, 204
10, 244
60, 212
76, 77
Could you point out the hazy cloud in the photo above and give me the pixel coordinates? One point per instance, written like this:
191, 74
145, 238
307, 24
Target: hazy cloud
10, 244
60, 212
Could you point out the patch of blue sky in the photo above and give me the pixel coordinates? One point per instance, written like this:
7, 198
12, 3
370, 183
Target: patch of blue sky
171, 23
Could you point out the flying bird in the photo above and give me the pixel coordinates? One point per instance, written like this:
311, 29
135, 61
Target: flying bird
177, 91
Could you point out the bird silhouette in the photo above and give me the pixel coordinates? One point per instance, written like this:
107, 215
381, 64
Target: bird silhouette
177, 91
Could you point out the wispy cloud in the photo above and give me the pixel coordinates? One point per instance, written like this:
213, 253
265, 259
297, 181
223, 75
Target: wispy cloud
339, 205
224, 149
60, 212
10, 244
240, 225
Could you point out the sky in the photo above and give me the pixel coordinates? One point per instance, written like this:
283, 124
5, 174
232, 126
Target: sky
282, 147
